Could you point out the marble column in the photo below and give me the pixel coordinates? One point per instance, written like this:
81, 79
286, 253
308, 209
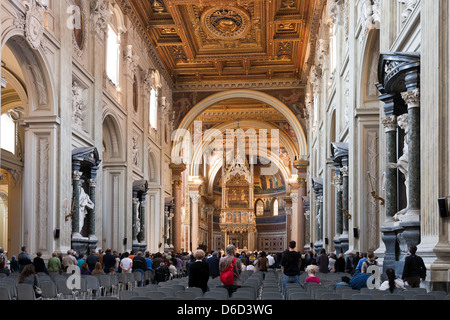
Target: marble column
134, 230
410, 222
338, 209
301, 165
345, 203
92, 212
295, 217
141, 232
389, 228
195, 197
345, 197
390, 126
92, 188
76, 201
301, 214
177, 239
177, 170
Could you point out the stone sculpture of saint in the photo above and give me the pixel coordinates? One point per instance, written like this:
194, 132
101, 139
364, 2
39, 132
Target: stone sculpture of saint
402, 163
85, 203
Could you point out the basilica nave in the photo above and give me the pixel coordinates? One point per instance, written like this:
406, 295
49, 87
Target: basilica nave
182, 124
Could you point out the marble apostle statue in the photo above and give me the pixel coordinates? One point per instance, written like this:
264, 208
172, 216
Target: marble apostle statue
85, 204
402, 163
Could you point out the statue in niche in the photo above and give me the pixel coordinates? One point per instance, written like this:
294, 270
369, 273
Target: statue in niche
85, 203
402, 163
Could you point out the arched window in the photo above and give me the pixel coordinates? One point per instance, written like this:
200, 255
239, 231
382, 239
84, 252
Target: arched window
259, 208
153, 109
8, 133
112, 58
275, 207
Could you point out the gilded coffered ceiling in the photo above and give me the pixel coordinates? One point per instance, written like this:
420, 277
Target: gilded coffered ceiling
217, 41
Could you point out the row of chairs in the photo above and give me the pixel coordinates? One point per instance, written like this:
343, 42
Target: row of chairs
54, 286
313, 291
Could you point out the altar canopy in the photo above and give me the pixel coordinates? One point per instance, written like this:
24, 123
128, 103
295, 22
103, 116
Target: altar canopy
237, 220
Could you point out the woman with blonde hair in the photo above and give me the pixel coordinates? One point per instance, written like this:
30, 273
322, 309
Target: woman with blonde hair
312, 270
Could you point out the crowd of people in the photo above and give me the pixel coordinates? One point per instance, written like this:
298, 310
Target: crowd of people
200, 266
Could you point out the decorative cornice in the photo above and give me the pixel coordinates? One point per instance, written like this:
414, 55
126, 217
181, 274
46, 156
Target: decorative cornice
267, 84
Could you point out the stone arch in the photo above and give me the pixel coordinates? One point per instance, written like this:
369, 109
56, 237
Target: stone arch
34, 85
35, 71
179, 134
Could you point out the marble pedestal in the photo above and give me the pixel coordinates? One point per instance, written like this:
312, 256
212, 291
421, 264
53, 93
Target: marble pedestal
84, 244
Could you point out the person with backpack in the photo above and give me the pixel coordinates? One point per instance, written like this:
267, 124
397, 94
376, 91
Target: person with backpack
370, 261
414, 269
230, 268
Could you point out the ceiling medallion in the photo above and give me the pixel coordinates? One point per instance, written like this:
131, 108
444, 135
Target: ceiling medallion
226, 24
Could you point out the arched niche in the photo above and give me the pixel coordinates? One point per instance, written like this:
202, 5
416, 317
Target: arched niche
112, 140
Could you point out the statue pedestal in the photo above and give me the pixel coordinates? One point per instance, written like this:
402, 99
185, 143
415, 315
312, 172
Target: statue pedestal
139, 246
83, 244
318, 245
389, 237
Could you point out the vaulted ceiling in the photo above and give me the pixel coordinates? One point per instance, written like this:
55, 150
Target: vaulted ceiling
217, 41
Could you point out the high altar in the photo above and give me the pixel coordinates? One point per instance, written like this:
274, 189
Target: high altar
237, 219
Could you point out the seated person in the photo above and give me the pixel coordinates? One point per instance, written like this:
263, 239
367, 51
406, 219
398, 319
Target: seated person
312, 270
392, 282
359, 280
345, 282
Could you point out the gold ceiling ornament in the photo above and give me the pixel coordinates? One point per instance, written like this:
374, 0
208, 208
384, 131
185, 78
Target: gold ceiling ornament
158, 7
226, 23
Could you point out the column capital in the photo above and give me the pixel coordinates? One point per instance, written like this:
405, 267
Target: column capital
412, 98
390, 123
294, 197
92, 183
195, 197
177, 184
344, 171
77, 175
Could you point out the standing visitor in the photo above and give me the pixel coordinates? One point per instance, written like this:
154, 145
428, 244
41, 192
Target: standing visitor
199, 272
323, 261
290, 265
226, 261
414, 269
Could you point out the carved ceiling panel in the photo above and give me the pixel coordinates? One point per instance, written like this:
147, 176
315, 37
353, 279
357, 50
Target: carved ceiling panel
213, 41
